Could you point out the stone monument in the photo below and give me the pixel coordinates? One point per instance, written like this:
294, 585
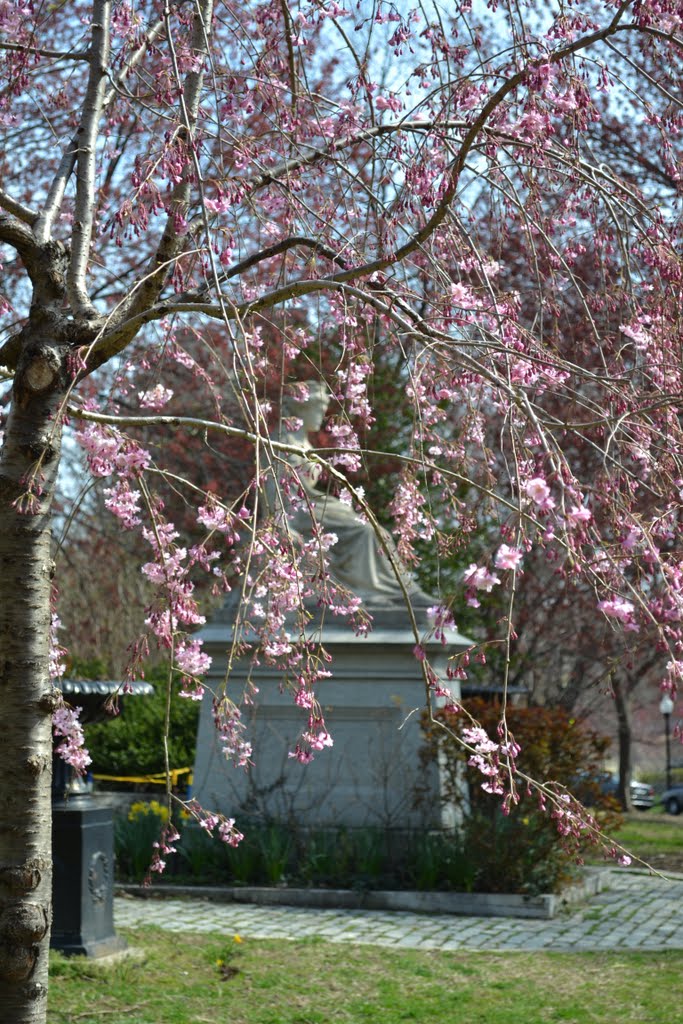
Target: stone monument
371, 702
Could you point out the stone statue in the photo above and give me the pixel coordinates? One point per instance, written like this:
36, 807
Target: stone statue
358, 560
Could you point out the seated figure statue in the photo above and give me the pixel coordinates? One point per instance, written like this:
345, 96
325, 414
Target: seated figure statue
358, 560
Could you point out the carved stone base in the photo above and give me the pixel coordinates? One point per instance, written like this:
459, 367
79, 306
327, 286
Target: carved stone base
372, 773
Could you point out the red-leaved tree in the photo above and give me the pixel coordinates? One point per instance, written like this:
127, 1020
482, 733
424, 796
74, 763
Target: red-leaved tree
352, 176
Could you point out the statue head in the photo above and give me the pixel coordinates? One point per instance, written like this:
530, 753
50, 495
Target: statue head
313, 408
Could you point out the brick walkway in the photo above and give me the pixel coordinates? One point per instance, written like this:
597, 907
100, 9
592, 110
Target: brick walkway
636, 911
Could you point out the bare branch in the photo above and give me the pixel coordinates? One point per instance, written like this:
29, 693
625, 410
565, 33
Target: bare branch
46, 219
147, 291
20, 211
87, 160
40, 52
15, 232
285, 245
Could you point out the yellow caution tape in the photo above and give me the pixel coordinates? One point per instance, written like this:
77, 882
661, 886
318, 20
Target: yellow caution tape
158, 779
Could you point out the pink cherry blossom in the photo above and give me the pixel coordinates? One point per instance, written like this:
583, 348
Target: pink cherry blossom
156, 397
537, 489
480, 578
65, 722
578, 514
621, 609
508, 558
191, 659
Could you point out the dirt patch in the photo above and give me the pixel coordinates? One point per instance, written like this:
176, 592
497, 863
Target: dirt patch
665, 861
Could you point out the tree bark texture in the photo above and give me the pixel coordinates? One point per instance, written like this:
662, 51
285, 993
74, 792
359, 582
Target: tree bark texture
28, 467
625, 739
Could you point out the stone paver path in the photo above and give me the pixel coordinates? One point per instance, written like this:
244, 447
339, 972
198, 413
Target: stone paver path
637, 911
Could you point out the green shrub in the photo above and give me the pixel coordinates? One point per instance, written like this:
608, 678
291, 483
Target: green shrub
131, 742
520, 852
134, 834
346, 858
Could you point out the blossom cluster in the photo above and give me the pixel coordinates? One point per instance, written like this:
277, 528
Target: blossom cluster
231, 732
225, 827
494, 760
110, 452
164, 845
65, 722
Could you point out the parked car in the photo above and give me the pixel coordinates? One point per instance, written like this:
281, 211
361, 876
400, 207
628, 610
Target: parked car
642, 794
673, 800
607, 783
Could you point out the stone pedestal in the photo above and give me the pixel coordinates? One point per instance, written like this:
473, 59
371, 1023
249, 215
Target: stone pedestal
372, 706
83, 882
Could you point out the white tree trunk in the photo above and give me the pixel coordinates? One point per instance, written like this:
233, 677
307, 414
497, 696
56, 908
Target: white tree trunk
28, 464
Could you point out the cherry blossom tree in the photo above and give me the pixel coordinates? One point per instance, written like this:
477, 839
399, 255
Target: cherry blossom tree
323, 168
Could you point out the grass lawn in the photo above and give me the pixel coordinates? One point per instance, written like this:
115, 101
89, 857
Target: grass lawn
655, 838
211, 979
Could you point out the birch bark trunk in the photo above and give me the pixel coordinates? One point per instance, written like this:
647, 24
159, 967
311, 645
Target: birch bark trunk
28, 467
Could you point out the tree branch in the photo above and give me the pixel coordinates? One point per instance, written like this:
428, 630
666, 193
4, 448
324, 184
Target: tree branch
285, 245
332, 151
150, 37
40, 52
290, 52
23, 213
15, 232
43, 227
314, 455
86, 157
468, 142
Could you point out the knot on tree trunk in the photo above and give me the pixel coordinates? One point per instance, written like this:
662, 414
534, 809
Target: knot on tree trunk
21, 878
50, 700
35, 764
43, 370
16, 964
22, 926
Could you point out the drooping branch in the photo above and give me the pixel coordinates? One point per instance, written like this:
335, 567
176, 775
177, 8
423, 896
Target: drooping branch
479, 125
148, 288
86, 157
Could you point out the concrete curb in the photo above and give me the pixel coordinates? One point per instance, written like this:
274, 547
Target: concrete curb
544, 906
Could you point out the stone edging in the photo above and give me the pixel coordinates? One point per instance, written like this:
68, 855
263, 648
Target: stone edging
544, 906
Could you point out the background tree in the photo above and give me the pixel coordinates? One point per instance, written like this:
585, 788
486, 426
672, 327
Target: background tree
168, 166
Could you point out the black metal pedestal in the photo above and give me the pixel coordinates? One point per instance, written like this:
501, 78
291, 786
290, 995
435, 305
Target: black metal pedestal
83, 886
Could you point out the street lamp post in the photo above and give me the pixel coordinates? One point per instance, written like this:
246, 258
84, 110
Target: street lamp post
666, 706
